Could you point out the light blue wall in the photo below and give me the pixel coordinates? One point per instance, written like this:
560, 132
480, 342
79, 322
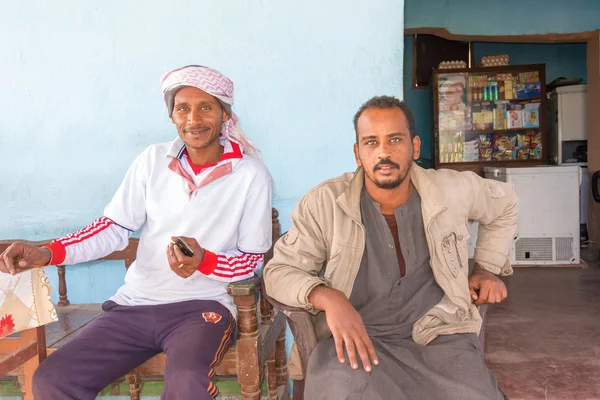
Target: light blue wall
504, 17
568, 60
81, 97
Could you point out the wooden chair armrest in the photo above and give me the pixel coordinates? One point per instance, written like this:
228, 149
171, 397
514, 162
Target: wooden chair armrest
282, 307
483, 310
302, 327
247, 287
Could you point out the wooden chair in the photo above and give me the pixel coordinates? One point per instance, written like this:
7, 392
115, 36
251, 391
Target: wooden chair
260, 341
21, 353
305, 336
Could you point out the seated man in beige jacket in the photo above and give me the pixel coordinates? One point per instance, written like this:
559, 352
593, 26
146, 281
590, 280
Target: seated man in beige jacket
380, 257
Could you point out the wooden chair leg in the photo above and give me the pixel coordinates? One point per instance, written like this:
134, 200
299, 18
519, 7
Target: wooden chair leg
281, 362
272, 376
248, 370
28, 369
21, 380
266, 311
298, 390
134, 386
115, 389
63, 300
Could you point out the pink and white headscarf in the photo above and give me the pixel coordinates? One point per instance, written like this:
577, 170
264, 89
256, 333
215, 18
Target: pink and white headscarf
216, 84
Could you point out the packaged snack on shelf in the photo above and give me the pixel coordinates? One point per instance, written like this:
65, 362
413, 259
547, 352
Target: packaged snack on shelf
485, 141
536, 146
451, 121
500, 142
528, 90
485, 154
487, 116
504, 142
523, 146
478, 120
451, 147
468, 120
524, 141
498, 155
500, 115
527, 77
471, 151
504, 154
522, 153
488, 119
531, 117
536, 139
514, 119
509, 89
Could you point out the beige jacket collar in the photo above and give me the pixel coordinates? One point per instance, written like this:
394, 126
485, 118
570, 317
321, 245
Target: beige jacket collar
432, 201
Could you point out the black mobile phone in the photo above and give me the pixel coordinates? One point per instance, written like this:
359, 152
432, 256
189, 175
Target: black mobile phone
183, 246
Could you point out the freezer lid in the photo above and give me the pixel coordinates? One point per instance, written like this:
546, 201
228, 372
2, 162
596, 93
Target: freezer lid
571, 89
543, 169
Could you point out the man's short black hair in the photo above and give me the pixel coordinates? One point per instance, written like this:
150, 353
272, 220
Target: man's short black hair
386, 102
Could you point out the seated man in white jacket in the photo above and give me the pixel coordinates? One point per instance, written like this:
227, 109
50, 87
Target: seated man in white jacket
208, 187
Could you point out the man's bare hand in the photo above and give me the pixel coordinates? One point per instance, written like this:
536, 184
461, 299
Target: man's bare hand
20, 256
491, 289
346, 326
181, 264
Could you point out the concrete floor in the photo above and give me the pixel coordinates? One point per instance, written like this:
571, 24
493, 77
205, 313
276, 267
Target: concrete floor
543, 342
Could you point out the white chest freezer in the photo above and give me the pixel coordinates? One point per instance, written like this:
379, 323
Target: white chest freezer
548, 225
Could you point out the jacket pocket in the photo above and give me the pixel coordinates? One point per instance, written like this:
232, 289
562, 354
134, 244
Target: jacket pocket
462, 244
291, 236
451, 254
341, 254
455, 250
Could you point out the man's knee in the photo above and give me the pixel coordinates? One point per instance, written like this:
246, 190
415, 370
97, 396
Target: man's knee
46, 380
185, 381
183, 373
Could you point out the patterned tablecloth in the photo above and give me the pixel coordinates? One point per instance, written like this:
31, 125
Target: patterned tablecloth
25, 301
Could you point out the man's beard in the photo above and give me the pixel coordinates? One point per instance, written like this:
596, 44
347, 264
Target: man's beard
390, 184
211, 136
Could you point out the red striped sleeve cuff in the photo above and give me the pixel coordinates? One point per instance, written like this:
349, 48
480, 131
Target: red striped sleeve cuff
236, 266
209, 264
59, 253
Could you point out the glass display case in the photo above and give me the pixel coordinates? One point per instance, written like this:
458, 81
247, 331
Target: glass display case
490, 116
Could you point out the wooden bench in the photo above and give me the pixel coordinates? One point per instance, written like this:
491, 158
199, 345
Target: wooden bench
260, 343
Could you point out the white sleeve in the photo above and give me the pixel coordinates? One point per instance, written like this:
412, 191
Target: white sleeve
254, 236
128, 206
255, 231
97, 240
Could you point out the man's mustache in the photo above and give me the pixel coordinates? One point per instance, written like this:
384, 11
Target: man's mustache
196, 128
383, 162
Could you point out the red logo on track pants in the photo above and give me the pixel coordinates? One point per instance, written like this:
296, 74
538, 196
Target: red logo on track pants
211, 317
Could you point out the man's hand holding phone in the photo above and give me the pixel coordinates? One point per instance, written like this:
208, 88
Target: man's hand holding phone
184, 255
